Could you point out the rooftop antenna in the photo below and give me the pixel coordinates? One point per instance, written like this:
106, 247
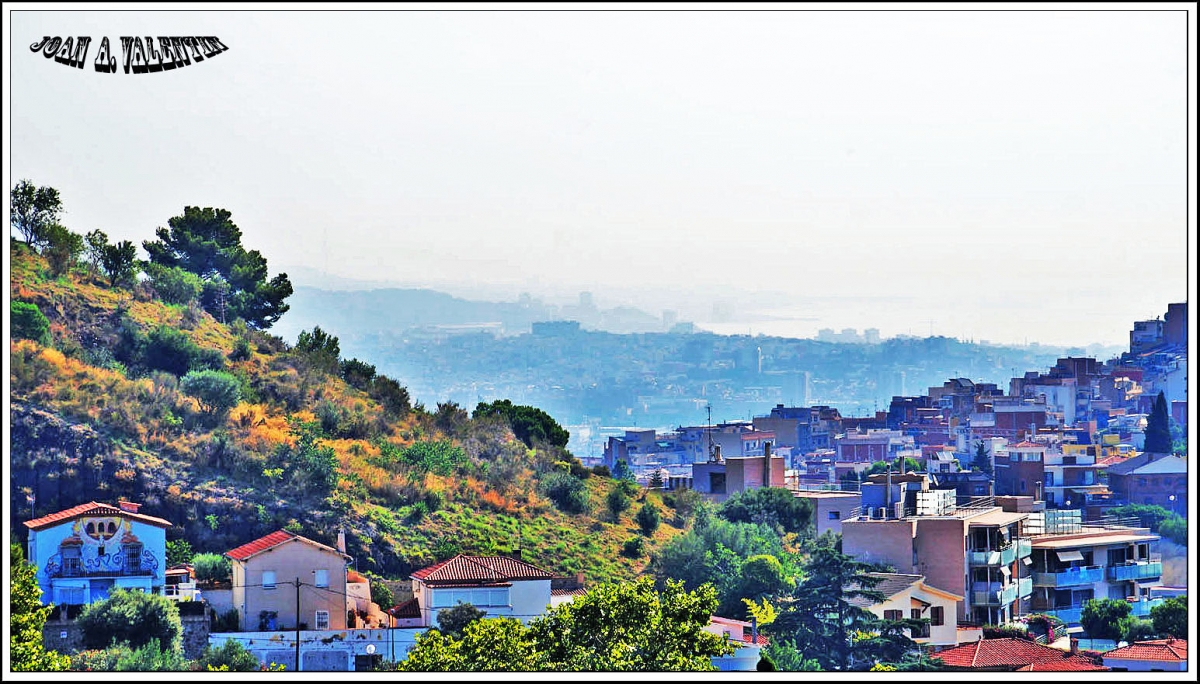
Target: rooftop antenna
708, 430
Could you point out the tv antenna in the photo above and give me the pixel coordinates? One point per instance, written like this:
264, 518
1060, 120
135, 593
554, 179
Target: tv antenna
708, 430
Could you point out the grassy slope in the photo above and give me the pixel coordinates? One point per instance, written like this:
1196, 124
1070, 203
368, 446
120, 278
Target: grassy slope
161, 454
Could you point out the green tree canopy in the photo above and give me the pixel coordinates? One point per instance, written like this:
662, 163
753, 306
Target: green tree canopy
1101, 618
648, 518
980, 461
770, 506
34, 210
62, 248
27, 616
134, 617
320, 348
1158, 427
207, 242
217, 391
211, 567
1171, 617
119, 262
529, 424
29, 323
452, 621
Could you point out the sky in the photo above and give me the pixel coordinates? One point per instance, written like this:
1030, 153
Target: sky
1009, 176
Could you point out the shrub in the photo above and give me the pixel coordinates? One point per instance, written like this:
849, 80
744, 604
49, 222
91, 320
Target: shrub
230, 657
453, 621
179, 551
648, 518
241, 350
29, 323
568, 493
211, 567
617, 502
1136, 629
169, 350
226, 622
634, 547
121, 658
1100, 618
217, 391
134, 617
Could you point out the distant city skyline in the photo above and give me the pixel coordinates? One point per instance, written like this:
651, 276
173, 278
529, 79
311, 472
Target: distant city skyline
1008, 175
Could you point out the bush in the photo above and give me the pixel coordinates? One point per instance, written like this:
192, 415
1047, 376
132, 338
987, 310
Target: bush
174, 285
169, 350
634, 547
230, 657
1101, 618
648, 518
211, 567
453, 621
241, 350
1174, 527
122, 658
1136, 629
29, 323
134, 617
617, 502
217, 391
226, 622
770, 506
179, 551
568, 493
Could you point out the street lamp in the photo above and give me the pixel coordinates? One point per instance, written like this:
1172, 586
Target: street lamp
1172, 500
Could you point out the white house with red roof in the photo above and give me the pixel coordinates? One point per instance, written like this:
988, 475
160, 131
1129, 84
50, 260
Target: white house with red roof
502, 586
84, 552
1160, 655
283, 579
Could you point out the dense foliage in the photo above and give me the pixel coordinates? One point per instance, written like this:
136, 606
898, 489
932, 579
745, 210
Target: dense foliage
452, 621
771, 506
1170, 618
28, 323
531, 425
27, 616
133, 617
1158, 427
1101, 618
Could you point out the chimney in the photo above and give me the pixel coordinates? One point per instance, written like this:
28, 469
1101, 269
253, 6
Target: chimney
766, 464
341, 542
717, 452
129, 506
579, 580
1074, 645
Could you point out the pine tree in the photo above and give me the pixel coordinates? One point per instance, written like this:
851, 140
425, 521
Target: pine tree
1158, 428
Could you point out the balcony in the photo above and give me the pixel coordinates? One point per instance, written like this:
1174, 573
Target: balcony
993, 594
1069, 615
1002, 556
1135, 571
1025, 587
1024, 547
1069, 578
1142, 608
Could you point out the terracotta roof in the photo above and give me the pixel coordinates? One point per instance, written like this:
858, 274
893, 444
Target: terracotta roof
749, 638
92, 508
479, 569
1026, 444
245, 551
408, 609
1012, 654
1159, 649
568, 592
1066, 665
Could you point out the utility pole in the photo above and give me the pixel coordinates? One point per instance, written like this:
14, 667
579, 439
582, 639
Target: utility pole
297, 624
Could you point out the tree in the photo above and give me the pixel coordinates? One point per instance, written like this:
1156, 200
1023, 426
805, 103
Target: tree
62, 247
217, 391
452, 621
568, 493
174, 285
1133, 629
118, 262
358, 373
763, 576
656, 480
134, 617
211, 567
909, 464
93, 246
29, 323
207, 242
34, 209
529, 424
320, 348
617, 502
648, 518
1158, 428
1171, 617
179, 552
771, 506
621, 470
822, 619
631, 627
980, 461
1100, 618
450, 418
27, 617
433, 651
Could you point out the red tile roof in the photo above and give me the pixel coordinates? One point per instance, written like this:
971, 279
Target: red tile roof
1076, 664
1013, 654
568, 592
479, 569
92, 508
408, 609
749, 638
1160, 649
261, 544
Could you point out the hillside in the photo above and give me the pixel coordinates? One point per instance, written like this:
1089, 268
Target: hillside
103, 412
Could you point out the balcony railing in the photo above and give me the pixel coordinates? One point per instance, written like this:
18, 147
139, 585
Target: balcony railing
993, 594
1068, 615
1142, 608
1069, 578
1135, 571
1025, 587
1024, 547
1002, 556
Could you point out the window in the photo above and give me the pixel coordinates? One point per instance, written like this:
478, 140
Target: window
268, 579
937, 616
133, 557
322, 578
322, 619
893, 615
834, 515
477, 597
1022, 486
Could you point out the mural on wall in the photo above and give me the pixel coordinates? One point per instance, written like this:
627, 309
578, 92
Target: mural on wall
102, 546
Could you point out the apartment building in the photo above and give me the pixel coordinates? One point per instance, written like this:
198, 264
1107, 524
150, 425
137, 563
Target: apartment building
977, 550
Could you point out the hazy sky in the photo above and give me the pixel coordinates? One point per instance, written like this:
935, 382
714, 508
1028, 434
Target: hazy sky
1006, 175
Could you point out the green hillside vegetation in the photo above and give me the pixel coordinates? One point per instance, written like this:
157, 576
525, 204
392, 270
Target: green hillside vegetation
139, 391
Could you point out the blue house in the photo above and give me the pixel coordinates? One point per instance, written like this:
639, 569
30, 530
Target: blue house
84, 552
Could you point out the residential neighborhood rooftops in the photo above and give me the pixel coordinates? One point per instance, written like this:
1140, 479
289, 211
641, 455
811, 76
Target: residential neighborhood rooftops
1161, 649
270, 541
93, 508
1014, 654
469, 570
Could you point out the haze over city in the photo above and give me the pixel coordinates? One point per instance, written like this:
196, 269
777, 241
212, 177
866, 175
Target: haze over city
1009, 176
